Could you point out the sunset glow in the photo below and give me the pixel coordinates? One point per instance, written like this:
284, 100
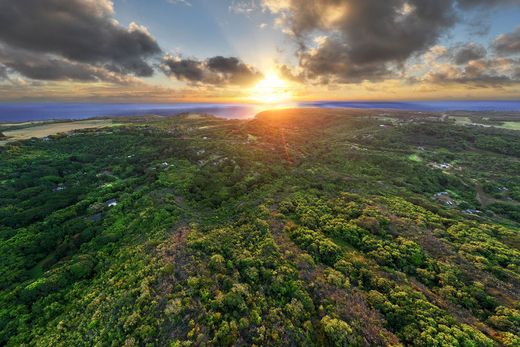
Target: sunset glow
271, 90
261, 51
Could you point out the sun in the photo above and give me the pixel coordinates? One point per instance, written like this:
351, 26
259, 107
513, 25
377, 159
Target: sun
271, 90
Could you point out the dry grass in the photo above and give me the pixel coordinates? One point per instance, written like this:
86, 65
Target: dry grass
46, 129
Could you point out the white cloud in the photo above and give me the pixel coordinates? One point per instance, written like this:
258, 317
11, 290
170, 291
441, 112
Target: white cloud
177, 2
242, 7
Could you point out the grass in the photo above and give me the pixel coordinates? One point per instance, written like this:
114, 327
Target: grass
462, 120
510, 125
43, 130
505, 125
415, 157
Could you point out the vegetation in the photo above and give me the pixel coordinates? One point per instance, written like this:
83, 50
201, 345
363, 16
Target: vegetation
299, 227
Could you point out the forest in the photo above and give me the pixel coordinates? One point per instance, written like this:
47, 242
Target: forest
299, 227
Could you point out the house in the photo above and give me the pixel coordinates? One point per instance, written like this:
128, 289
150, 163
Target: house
470, 211
59, 188
442, 166
111, 202
444, 198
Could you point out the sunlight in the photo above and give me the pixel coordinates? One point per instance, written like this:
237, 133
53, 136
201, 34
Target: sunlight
271, 90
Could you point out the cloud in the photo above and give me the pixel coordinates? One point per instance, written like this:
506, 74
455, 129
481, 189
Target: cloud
73, 38
468, 52
177, 2
183, 69
242, 7
331, 61
79, 40
3, 73
508, 43
364, 35
468, 64
217, 70
43, 67
369, 40
482, 73
465, 4
287, 73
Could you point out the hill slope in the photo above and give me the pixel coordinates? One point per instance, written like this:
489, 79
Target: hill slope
300, 227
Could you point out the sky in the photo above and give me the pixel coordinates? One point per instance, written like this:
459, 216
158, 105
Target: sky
270, 51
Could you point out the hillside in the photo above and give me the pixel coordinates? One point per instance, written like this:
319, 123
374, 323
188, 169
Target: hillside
300, 227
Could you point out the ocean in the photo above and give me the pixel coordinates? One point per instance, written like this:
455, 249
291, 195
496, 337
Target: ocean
38, 111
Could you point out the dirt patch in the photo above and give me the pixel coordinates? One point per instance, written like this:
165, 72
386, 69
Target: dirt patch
173, 252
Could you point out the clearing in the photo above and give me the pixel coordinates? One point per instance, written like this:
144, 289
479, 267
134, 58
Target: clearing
510, 125
46, 129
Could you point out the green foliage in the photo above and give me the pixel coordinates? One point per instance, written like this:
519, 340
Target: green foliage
320, 232
336, 331
316, 244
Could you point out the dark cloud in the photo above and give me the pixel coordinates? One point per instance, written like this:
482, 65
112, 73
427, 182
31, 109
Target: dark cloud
226, 65
366, 35
508, 43
183, 69
54, 69
467, 52
392, 30
3, 72
332, 61
369, 39
216, 70
74, 33
470, 64
483, 73
43, 67
481, 81
234, 71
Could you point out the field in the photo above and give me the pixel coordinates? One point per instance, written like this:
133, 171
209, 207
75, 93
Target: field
462, 120
29, 130
511, 125
495, 121
301, 227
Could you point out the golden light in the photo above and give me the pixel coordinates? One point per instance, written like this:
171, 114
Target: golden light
271, 90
